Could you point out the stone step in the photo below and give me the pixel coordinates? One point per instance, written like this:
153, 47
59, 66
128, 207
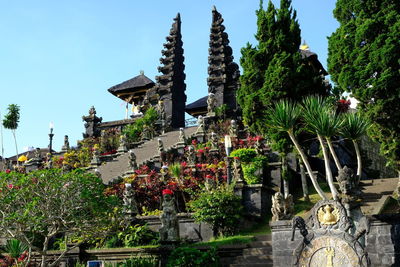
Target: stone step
257, 251
263, 237
255, 259
260, 244
265, 264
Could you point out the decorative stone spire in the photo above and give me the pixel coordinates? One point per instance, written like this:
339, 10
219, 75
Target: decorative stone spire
223, 79
171, 83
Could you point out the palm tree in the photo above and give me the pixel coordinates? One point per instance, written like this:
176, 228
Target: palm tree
354, 126
283, 117
11, 120
320, 121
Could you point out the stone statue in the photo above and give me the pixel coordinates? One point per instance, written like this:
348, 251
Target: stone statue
95, 157
200, 123
65, 147
214, 141
282, 209
91, 124
49, 161
160, 147
123, 144
132, 160
182, 137
211, 103
237, 170
97, 173
161, 110
37, 155
148, 132
347, 184
169, 230
130, 207
233, 129
259, 146
191, 155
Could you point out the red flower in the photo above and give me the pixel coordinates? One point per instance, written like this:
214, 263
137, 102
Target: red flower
208, 176
201, 151
194, 142
167, 192
198, 165
10, 186
8, 171
236, 158
184, 164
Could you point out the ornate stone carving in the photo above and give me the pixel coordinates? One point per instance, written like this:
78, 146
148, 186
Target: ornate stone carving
132, 160
282, 208
299, 223
211, 104
200, 125
65, 147
95, 157
182, 137
129, 207
237, 170
123, 144
169, 231
347, 183
171, 81
214, 141
191, 155
223, 79
233, 129
91, 124
160, 147
328, 242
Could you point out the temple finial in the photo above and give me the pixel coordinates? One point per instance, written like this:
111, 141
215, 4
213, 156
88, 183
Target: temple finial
141, 72
214, 8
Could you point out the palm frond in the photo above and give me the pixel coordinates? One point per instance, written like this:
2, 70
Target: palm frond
354, 125
283, 115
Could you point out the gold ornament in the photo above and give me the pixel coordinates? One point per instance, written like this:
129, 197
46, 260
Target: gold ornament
328, 215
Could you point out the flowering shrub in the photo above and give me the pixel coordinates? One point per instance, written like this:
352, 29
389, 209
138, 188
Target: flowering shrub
109, 141
343, 105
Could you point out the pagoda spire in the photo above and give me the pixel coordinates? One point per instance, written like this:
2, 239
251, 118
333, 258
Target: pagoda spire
171, 82
223, 73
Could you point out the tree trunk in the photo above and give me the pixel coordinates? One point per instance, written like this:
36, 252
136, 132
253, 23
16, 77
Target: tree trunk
16, 147
304, 182
44, 252
284, 176
308, 167
328, 170
359, 162
334, 155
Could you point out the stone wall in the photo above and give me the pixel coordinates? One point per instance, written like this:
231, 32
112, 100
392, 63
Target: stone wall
382, 242
188, 228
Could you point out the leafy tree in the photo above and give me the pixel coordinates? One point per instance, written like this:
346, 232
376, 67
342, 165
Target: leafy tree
364, 59
46, 203
274, 68
10, 121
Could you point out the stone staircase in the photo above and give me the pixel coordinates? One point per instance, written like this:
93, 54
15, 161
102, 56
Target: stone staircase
145, 152
258, 253
376, 192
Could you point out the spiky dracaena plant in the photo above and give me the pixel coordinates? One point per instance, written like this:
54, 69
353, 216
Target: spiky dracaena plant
354, 126
320, 120
283, 117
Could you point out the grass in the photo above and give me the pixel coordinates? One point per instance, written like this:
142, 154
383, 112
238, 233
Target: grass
301, 207
229, 240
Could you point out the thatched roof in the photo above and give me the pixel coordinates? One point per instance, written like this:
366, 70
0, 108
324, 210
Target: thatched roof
133, 87
313, 59
198, 107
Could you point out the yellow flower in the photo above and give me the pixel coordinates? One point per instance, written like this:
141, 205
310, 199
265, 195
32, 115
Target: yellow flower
22, 158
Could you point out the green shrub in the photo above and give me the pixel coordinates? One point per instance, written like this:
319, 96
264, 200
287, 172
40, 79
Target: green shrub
134, 131
135, 262
250, 169
192, 257
244, 154
138, 235
220, 208
14, 248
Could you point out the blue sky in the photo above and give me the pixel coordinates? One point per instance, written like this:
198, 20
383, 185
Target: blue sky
58, 58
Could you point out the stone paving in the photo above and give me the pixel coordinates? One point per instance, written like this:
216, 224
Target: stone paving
374, 191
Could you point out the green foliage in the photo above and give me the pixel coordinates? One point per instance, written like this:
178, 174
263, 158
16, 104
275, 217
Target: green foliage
251, 170
47, 203
354, 125
175, 170
138, 235
274, 69
137, 262
11, 119
364, 59
219, 207
221, 110
14, 248
192, 257
134, 131
245, 155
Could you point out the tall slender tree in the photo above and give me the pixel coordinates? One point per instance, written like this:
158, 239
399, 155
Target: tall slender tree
364, 59
10, 121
